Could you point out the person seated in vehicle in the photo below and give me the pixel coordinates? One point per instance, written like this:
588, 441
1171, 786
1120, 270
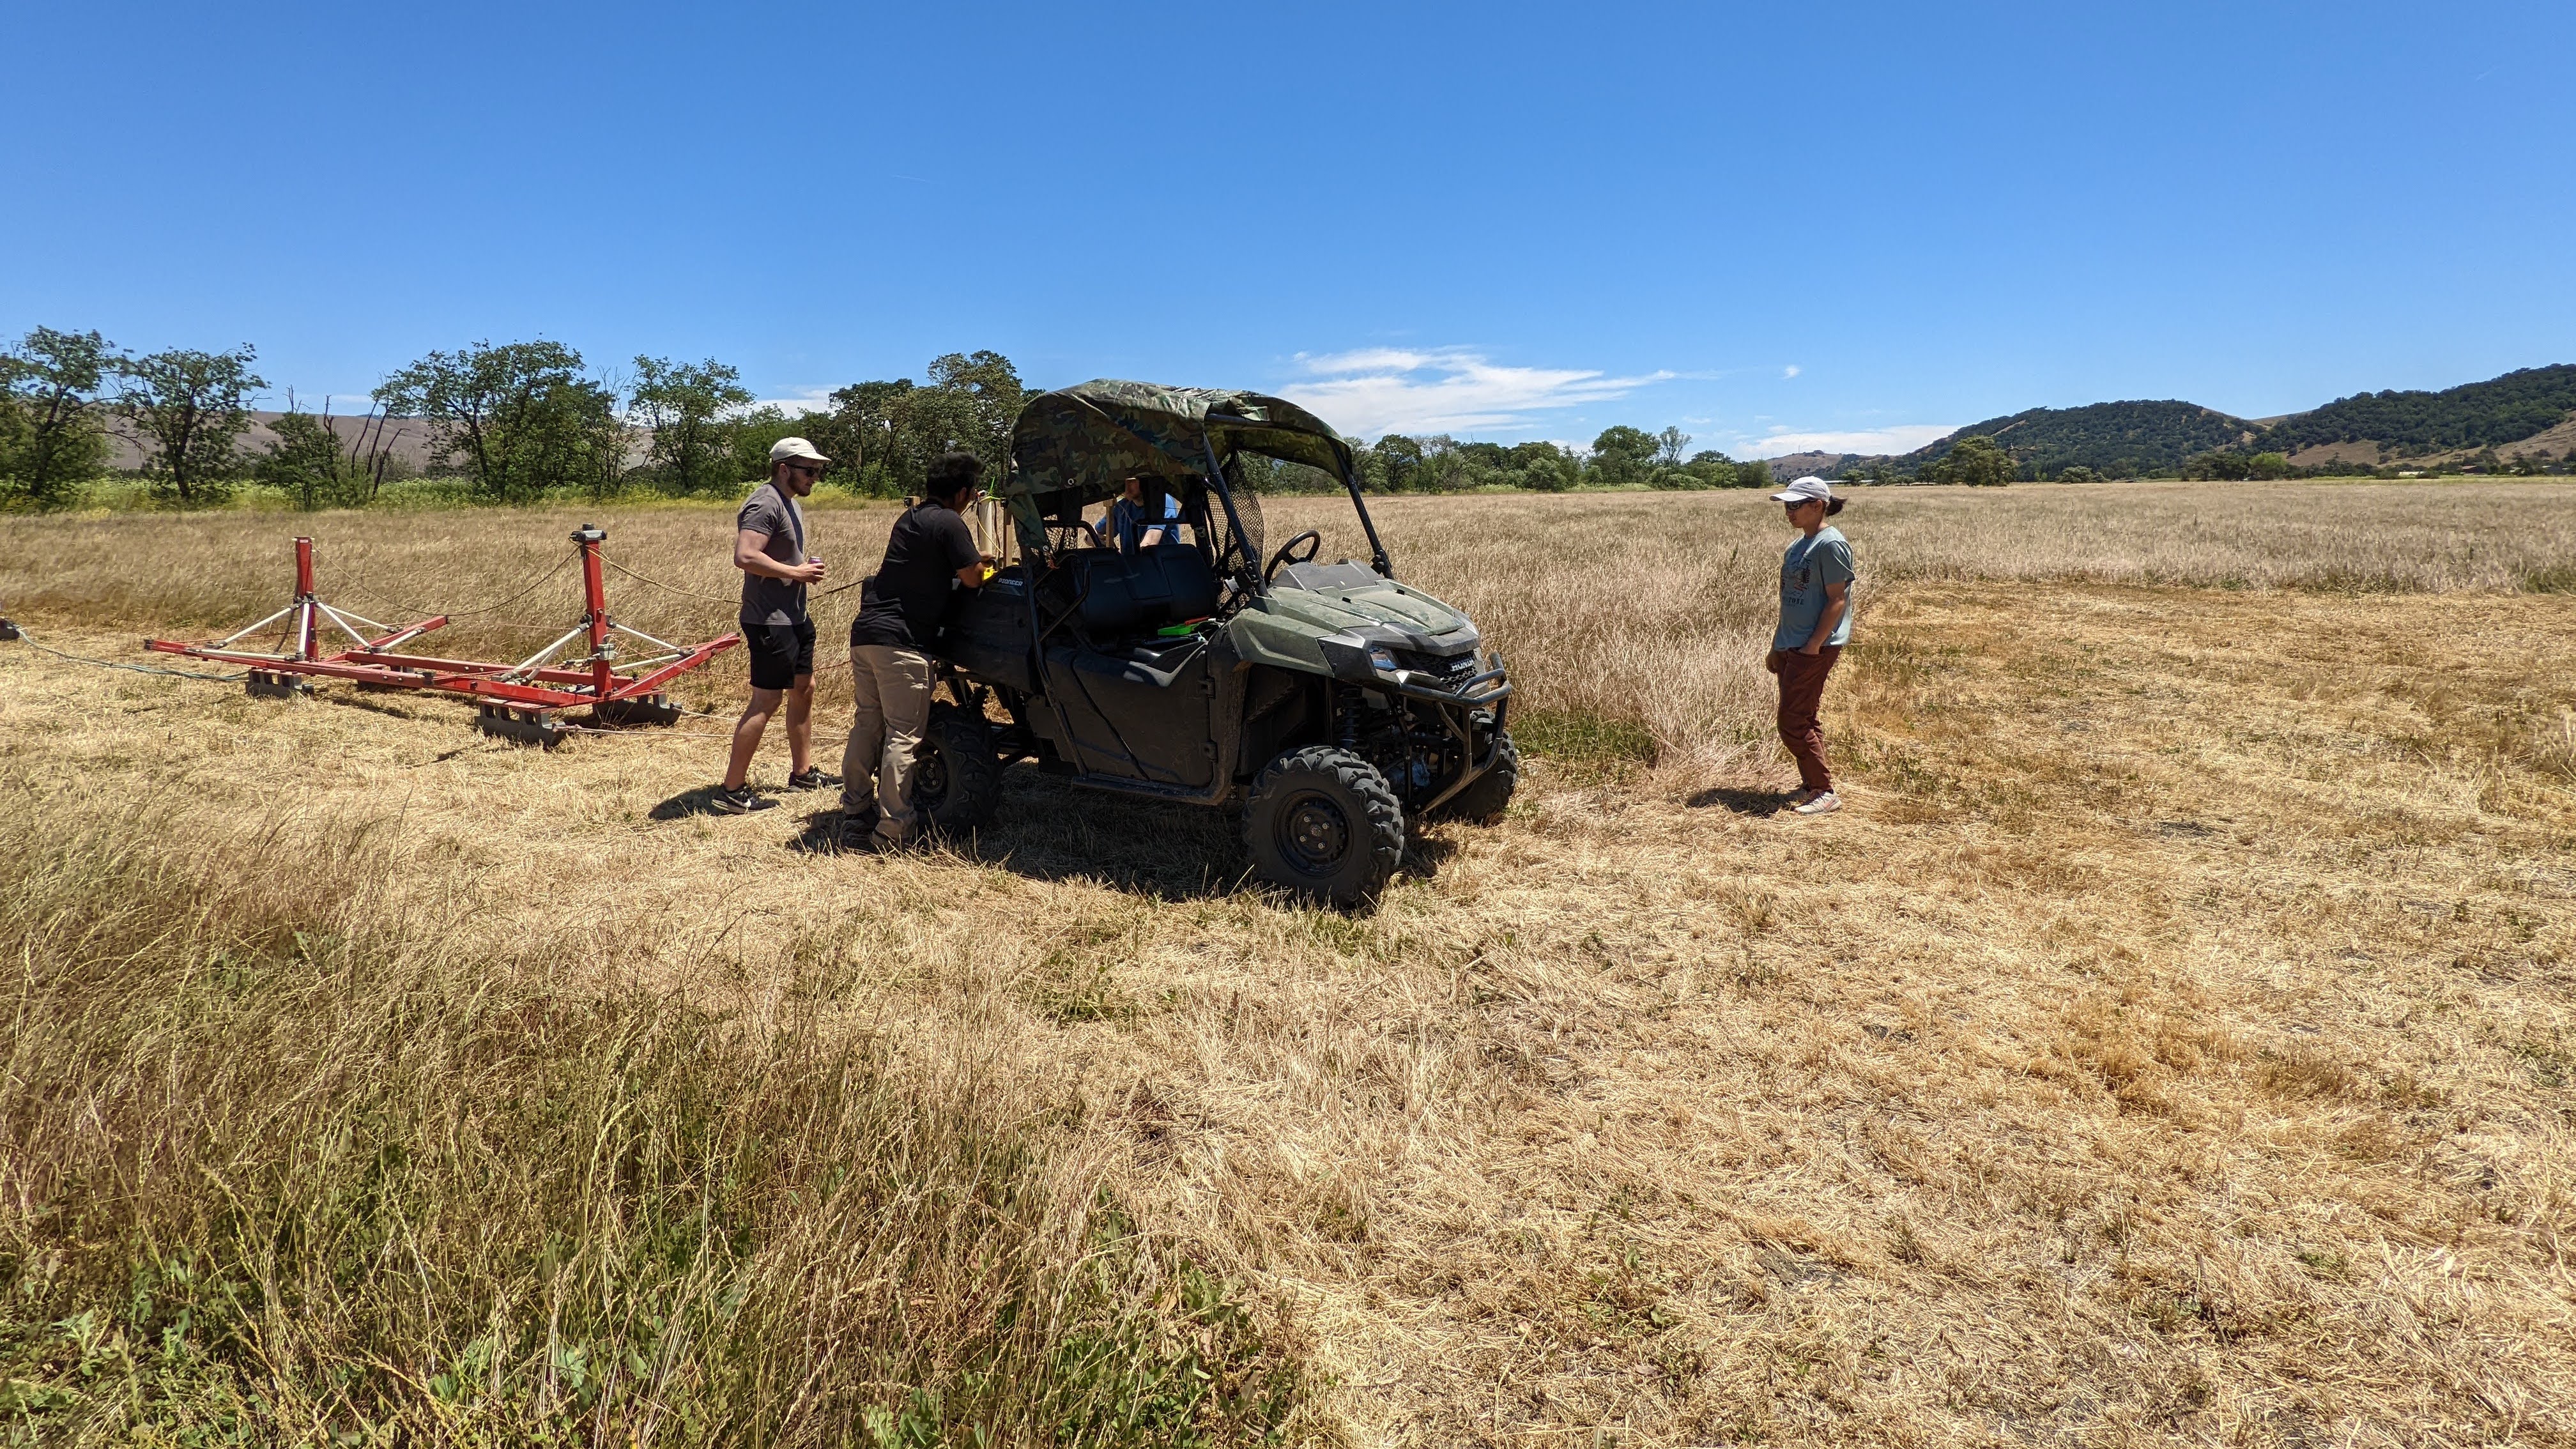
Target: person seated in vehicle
1130, 526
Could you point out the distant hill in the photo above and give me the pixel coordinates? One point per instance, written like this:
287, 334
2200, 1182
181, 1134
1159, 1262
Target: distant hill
2115, 439
406, 438
2493, 414
2532, 411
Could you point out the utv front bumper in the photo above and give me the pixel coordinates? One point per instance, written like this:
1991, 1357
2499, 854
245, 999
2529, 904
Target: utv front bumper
1472, 708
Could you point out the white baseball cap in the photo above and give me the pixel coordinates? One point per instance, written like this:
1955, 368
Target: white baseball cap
798, 448
1806, 488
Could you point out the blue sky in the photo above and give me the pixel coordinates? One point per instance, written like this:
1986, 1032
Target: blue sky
1847, 225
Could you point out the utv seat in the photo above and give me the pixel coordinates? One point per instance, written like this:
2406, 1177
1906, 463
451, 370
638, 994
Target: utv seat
1170, 583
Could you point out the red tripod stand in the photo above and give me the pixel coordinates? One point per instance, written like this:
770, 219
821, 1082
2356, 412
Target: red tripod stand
516, 701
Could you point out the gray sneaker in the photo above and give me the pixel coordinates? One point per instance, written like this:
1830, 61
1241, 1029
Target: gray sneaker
1823, 802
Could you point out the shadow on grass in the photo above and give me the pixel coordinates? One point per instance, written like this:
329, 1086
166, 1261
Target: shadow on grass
700, 801
1741, 802
1049, 829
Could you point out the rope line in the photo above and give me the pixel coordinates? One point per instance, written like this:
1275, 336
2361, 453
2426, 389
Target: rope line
30, 641
842, 663
657, 583
454, 614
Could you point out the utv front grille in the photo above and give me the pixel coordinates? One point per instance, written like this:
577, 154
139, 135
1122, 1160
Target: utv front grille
1448, 673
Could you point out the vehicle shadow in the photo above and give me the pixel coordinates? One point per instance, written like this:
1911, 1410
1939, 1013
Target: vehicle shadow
1048, 829
1741, 802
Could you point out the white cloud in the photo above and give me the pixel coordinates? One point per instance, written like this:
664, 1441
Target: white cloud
1902, 438
797, 403
1790, 371
1376, 390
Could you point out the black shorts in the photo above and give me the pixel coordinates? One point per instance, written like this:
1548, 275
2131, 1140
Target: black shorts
779, 653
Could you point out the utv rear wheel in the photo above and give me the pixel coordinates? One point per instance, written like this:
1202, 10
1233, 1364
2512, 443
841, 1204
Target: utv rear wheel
1489, 794
1321, 822
956, 777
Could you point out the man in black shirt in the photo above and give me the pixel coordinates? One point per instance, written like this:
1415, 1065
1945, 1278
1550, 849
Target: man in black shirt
929, 556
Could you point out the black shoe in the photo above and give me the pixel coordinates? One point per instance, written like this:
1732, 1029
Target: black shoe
811, 778
739, 802
859, 836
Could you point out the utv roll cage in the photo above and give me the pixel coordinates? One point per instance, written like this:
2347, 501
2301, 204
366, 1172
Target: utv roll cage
1078, 446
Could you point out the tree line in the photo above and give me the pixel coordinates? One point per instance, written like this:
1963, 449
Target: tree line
516, 422
512, 422
1620, 457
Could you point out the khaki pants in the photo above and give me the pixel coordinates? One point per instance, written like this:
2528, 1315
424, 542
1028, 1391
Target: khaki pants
891, 690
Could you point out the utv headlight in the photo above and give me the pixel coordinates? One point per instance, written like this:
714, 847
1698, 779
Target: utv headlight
1347, 656
1382, 660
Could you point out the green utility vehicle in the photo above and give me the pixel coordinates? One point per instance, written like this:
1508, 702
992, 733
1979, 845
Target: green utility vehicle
1329, 701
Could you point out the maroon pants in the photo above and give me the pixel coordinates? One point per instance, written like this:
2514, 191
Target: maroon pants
1802, 689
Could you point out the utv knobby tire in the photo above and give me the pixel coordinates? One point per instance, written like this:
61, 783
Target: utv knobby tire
956, 778
1489, 794
1323, 824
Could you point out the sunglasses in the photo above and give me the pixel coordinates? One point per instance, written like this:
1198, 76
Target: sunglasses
810, 470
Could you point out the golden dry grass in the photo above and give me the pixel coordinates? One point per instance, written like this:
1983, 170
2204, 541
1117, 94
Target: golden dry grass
2173, 1039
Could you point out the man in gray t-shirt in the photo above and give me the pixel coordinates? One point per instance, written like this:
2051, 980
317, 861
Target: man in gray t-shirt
769, 548
773, 599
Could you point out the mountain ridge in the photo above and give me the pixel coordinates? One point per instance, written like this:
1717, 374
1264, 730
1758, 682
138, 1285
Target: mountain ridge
2529, 410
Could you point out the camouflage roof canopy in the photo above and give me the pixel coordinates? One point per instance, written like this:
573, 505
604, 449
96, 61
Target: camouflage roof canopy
1089, 438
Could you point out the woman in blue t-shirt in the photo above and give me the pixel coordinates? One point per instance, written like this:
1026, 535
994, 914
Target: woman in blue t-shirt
1815, 623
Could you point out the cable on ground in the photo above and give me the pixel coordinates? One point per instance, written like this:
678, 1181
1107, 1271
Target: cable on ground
30, 641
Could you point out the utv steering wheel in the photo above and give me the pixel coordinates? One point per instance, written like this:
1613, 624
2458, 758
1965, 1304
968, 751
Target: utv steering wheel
1287, 553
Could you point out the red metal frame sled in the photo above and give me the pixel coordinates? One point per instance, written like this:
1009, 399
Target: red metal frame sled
518, 701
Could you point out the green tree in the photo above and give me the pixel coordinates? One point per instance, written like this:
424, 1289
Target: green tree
685, 406
2268, 465
307, 463
519, 416
50, 438
188, 410
1444, 468
1754, 473
857, 435
1623, 455
1975, 460
2077, 474
1671, 445
973, 398
750, 437
882, 436
1392, 463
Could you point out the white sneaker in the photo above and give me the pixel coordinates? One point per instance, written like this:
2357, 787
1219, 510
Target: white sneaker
1823, 802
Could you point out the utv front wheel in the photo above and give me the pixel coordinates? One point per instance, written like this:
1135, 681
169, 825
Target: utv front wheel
956, 778
1321, 822
1489, 794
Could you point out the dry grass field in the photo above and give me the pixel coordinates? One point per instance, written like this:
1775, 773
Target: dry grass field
2173, 1040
